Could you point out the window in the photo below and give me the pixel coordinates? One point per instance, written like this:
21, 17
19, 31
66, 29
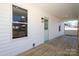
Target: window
19, 22
45, 24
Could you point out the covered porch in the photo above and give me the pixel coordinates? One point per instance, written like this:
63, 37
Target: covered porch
63, 45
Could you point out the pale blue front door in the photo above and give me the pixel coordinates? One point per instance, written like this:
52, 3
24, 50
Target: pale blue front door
46, 31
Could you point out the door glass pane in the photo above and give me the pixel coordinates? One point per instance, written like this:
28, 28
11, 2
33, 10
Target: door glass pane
46, 24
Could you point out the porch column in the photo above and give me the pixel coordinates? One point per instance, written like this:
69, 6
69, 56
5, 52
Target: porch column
78, 38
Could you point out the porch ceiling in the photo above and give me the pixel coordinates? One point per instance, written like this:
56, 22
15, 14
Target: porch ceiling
61, 10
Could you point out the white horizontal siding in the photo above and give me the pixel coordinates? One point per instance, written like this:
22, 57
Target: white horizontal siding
9, 46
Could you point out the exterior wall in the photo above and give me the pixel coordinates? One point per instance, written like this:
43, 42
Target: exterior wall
9, 46
54, 28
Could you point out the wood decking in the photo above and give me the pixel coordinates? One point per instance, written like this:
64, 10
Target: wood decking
56, 47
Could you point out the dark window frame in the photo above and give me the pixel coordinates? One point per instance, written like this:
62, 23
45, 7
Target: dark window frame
20, 25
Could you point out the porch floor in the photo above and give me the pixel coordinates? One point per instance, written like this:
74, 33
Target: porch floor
61, 46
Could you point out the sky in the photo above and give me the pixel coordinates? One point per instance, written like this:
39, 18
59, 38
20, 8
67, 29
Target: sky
74, 22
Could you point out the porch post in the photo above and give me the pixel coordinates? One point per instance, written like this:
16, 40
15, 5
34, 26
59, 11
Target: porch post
78, 38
